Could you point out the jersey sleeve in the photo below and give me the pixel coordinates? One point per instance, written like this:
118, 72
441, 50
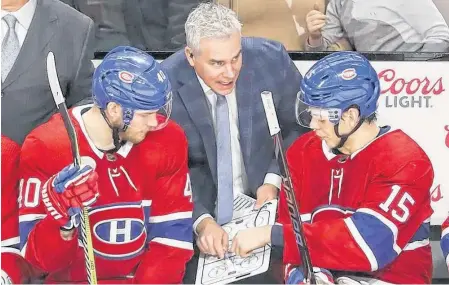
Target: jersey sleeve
41, 242
387, 222
170, 232
10, 178
13, 264
445, 240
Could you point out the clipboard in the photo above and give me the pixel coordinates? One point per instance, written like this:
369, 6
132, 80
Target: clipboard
215, 271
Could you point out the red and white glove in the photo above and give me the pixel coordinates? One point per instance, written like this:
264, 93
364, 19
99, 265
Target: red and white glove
65, 193
295, 275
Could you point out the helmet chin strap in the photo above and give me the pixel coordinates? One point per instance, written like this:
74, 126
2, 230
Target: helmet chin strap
344, 138
115, 134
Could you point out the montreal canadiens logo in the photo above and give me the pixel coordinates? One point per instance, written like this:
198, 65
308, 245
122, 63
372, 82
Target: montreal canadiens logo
126, 76
348, 74
118, 230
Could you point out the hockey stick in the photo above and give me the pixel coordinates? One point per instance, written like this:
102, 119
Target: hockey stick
275, 132
86, 237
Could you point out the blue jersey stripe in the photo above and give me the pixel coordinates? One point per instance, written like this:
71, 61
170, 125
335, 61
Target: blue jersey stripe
25, 230
377, 235
445, 245
422, 233
180, 229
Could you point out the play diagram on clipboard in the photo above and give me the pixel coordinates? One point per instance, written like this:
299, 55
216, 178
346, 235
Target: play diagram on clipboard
215, 271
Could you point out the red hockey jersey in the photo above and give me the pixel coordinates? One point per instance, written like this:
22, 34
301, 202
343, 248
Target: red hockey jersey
445, 240
141, 223
368, 212
10, 192
13, 264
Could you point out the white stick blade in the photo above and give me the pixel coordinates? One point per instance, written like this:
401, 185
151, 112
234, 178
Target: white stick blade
53, 79
270, 112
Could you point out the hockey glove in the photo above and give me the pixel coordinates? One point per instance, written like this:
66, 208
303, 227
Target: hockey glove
296, 276
65, 193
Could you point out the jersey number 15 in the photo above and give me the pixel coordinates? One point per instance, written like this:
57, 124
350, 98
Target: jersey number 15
405, 199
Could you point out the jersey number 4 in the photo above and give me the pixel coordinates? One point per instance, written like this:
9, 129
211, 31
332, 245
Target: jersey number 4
402, 204
188, 188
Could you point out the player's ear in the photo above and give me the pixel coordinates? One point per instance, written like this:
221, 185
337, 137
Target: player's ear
114, 112
189, 55
352, 116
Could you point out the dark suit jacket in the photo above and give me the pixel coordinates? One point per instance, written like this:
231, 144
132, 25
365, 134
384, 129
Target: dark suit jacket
109, 18
159, 24
266, 66
26, 97
145, 24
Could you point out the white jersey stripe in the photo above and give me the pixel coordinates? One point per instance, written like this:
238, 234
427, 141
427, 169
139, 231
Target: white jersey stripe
31, 217
416, 244
332, 208
11, 250
171, 217
24, 249
174, 243
11, 241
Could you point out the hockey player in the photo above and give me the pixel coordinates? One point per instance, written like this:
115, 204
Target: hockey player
362, 189
445, 240
14, 267
139, 196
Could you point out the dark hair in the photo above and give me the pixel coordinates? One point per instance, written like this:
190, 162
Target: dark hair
371, 118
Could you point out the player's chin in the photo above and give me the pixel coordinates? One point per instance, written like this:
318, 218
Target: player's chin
137, 138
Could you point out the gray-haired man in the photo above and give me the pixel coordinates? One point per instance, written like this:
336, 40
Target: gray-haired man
217, 80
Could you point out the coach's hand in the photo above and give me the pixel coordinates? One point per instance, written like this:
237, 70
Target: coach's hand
65, 193
246, 241
212, 239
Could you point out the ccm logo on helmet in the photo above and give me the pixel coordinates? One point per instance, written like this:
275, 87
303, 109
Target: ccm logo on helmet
348, 74
125, 76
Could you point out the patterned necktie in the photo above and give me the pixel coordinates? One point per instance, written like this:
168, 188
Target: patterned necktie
225, 197
10, 46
